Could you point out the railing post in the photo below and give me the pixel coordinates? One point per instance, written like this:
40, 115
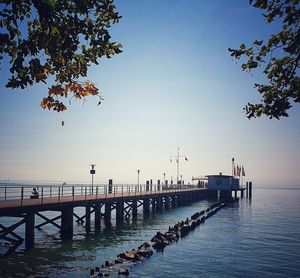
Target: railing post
62, 191
96, 192
105, 189
59, 194
22, 195
114, 191
73, 192
50, 190
42, 199
81, 190
5, 193
122, 190
85, 192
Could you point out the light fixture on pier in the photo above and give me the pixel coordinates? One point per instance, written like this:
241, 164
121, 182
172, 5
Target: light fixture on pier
93, 172
138, 172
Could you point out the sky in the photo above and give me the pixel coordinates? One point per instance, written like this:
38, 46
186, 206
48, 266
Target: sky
174, 85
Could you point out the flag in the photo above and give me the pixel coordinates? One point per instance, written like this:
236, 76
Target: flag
243, 171
186, 159
238, 171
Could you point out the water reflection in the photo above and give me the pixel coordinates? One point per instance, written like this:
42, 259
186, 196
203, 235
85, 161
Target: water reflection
52, 256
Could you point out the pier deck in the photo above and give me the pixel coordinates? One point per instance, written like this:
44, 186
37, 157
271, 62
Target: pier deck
10, 207
99, 201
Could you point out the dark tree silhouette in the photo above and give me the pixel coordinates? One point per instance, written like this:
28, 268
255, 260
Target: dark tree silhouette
278, 57
59, 38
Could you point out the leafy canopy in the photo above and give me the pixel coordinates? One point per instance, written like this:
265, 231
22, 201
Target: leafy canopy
279, 56
59, 38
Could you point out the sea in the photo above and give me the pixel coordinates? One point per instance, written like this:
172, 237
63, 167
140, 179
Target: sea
258, 237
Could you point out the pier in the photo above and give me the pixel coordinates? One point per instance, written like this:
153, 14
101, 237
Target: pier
98, 202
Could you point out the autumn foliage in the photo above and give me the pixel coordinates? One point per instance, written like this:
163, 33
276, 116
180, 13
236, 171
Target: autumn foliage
76, 89
44, 38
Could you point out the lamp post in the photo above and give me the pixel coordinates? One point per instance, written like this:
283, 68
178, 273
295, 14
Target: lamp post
138, 172
93, 172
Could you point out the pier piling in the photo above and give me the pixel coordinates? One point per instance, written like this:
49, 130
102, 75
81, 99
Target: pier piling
119, 210
250, 189
134, 209
67, 222
97, 216
88, 218
29, 230
146, 206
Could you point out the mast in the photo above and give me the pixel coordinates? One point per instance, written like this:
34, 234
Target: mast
177, 164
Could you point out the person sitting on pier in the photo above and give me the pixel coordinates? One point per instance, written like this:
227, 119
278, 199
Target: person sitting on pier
34, 194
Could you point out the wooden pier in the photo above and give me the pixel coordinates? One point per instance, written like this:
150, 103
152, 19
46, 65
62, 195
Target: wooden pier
99, 202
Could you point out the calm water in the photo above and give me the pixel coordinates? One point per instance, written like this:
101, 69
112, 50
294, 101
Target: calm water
257, 238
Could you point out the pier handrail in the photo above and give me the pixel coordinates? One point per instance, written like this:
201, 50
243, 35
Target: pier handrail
12, 192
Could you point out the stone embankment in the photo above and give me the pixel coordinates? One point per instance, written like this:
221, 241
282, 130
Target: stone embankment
159, 242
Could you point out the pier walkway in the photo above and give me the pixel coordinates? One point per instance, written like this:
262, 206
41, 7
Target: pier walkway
121, 201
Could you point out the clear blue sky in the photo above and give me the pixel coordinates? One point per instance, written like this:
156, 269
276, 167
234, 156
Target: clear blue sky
174, 85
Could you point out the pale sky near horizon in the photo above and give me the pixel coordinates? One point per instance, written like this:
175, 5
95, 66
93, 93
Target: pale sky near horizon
174, 85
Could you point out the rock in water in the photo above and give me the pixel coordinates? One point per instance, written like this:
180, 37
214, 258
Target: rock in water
123, 271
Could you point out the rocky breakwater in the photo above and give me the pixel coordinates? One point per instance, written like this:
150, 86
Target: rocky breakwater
159, 241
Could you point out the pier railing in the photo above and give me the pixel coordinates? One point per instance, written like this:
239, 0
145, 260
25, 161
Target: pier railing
11, 192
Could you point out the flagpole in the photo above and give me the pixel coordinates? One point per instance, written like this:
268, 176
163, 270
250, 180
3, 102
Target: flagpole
177, 164
177, 157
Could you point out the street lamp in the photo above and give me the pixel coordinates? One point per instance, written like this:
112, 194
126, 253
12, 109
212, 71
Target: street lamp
93, 172
138, 172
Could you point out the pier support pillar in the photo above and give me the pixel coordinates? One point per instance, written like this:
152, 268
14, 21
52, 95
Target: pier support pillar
174, 201
247, 189
119, 210
242, 193
250, 189
146, 206
235, 194
167, 202
97, 216
134, 209
29, 230
67, 222
179, 199
87, 218
158, 203
107, 212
